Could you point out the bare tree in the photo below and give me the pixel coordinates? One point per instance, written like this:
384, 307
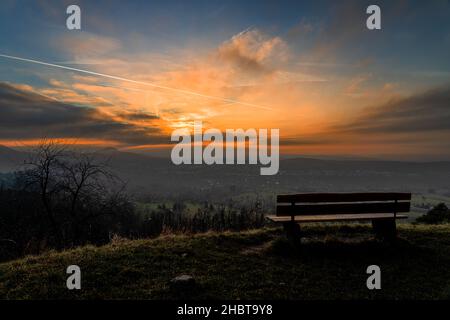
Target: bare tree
41, 174
74, 188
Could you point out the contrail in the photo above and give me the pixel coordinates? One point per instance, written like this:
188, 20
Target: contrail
187, 92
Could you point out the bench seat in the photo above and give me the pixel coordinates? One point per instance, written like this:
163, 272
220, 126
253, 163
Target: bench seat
382, 208
336, 217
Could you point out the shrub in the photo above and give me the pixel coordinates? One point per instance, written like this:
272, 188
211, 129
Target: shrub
439, 214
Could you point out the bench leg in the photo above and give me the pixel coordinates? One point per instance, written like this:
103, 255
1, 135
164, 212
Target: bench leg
293, 233
385, 229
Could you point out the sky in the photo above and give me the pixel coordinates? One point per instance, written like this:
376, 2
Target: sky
308, 68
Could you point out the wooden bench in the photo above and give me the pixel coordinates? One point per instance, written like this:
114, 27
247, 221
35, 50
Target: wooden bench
381, 208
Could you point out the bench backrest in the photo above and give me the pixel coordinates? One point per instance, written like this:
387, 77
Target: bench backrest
342, 203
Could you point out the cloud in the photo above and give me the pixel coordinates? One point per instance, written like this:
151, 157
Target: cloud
25, 115
253, 51
309, 140
417, 125
252, 67
422, 112
137, 116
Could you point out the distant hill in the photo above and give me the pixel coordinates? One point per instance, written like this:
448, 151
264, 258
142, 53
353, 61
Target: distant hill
11, 159
158, 176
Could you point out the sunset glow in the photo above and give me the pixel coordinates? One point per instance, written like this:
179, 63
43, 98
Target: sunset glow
294, 73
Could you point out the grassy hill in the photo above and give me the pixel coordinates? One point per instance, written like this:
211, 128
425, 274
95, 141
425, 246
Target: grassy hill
249, 265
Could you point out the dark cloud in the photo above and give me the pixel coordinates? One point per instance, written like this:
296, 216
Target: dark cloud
423, 112
308, 141
420, 123
26, 115
138, 116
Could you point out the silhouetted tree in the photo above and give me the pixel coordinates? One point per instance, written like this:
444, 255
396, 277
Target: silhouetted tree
75, 189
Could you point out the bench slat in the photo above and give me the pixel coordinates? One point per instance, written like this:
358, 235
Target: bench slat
343, 197
340, 217
342, 208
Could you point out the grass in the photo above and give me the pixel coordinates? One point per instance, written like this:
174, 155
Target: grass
257, 264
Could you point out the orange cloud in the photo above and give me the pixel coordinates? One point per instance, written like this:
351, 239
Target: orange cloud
251, 67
